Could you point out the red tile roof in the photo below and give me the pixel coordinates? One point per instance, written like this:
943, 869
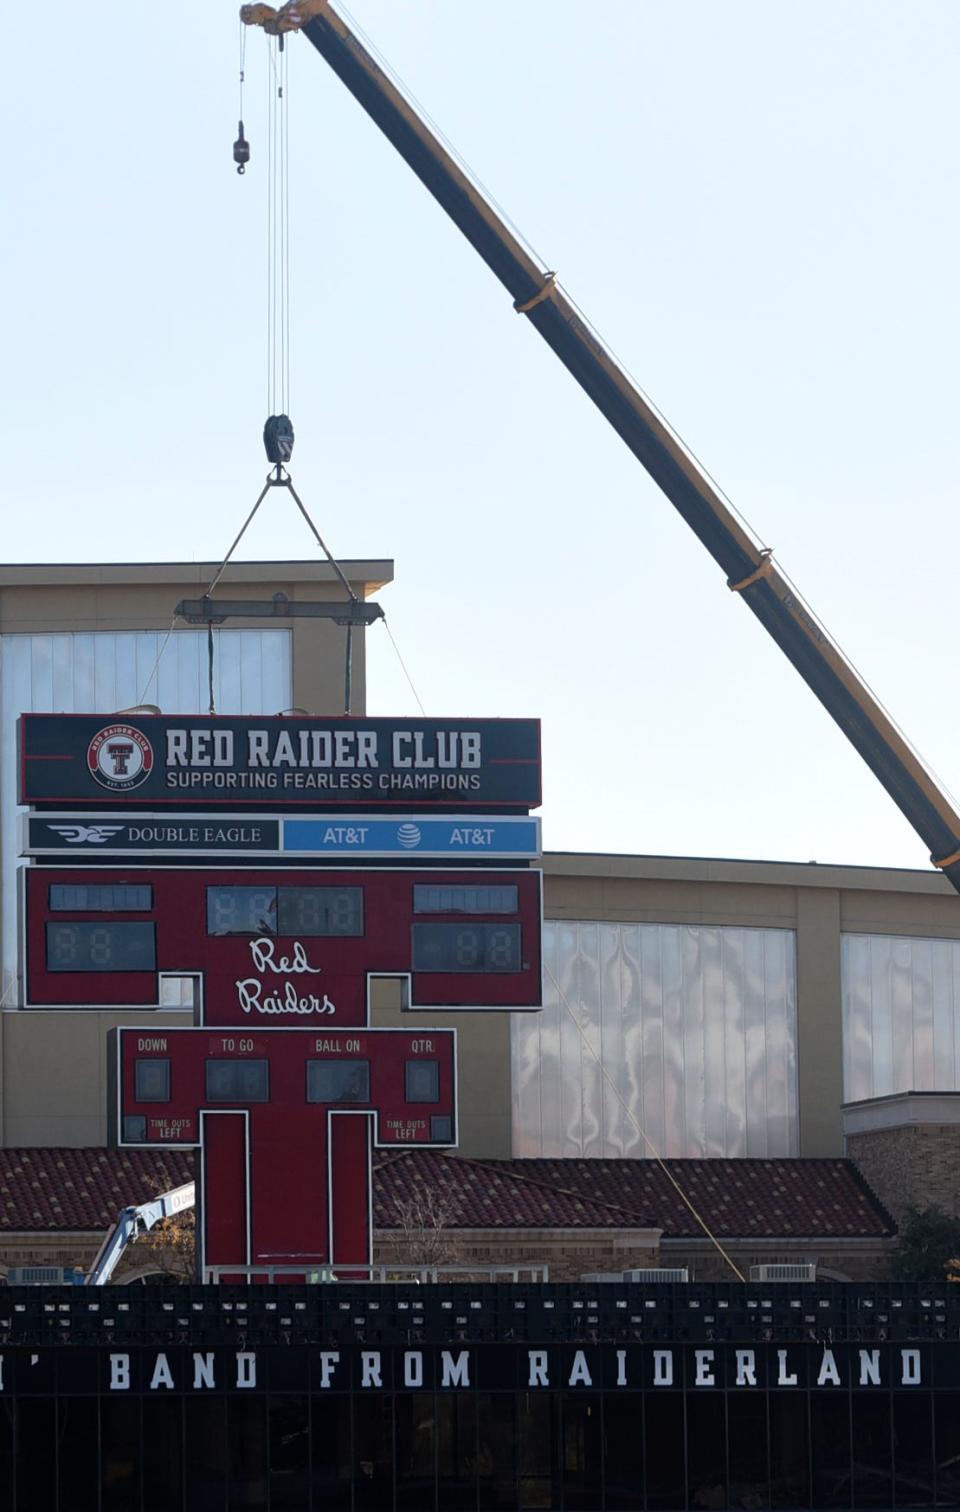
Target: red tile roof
50, 1189
737, 1198
83, 1189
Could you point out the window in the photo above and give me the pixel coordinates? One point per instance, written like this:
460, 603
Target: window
238, 1081
830, 1448
152, 1081
581, 1451
789, 1450
423, 1081
913, 1449
872, 1433
338, 1081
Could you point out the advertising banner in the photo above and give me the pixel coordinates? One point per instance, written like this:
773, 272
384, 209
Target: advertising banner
83, 833
311, 762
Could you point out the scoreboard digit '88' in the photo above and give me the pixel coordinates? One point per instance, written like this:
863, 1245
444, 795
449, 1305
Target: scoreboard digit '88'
275, 946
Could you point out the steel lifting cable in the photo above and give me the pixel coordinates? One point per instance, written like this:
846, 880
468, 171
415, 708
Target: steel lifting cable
280, 478
278, 432
278, 229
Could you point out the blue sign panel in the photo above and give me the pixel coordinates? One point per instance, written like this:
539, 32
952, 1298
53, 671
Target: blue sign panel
361, 835
150, 835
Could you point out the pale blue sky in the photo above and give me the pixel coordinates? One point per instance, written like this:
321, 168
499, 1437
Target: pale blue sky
757, 206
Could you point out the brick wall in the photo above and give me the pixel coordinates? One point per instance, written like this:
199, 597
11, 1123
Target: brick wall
913, 1166
568, 1252
77, 1252
857, 1262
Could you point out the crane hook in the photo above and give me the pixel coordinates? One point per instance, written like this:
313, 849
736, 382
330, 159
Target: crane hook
241, 151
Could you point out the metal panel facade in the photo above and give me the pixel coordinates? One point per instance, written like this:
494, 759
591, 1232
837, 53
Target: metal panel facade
110, 670
684, 1032
900, 1002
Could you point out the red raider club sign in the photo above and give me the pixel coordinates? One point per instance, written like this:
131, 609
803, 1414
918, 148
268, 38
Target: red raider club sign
467, 764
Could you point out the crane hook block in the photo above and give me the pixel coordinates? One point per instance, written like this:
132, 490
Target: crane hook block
278, 438
241, 150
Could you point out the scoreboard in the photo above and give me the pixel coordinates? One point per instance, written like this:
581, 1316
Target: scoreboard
281, 946
272, 928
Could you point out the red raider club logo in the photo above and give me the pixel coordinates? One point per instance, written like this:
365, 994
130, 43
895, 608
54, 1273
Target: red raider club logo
120, 757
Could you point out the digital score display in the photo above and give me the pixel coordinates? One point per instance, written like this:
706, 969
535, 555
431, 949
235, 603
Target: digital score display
109, 945
314, 911
283, 947
467, 947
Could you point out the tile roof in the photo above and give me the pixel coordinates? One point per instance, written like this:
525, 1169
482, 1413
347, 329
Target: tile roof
51, 1189
761, 1199
83, 1189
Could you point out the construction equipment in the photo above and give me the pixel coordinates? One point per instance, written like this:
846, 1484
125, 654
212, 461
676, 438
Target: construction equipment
133, 1221
748, 566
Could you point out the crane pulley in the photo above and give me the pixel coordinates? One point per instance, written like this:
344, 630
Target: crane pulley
290, 17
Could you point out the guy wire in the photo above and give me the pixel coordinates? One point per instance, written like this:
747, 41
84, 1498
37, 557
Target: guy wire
156, 665
641, 1131
386, 625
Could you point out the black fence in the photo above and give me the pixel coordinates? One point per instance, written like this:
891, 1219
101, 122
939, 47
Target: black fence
399, 1314
479, 1398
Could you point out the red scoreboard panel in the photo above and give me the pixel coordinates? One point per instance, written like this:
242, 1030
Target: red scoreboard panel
276, 947
283, 1119
167, 1078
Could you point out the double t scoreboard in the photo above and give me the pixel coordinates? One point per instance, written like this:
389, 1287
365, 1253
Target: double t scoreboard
278, 1078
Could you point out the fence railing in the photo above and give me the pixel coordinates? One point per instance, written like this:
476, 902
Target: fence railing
378, 1274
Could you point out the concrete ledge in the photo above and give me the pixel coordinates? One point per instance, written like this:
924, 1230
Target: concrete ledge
765, 873
901, 1110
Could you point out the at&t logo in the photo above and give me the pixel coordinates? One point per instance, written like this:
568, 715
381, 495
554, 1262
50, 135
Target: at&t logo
120, 757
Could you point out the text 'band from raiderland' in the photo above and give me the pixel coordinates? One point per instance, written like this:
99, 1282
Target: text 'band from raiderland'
85, 758
511, 1367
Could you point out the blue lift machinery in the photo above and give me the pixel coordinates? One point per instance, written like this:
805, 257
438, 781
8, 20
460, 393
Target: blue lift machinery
749, 567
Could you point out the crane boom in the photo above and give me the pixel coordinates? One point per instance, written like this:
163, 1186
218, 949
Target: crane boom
749, 568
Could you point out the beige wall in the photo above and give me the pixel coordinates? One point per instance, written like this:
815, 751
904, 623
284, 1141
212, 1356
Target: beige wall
143, 597
567, 1253
819, 903
54, 1074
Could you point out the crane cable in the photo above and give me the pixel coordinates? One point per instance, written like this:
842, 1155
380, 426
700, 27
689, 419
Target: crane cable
278, 229
278, 432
